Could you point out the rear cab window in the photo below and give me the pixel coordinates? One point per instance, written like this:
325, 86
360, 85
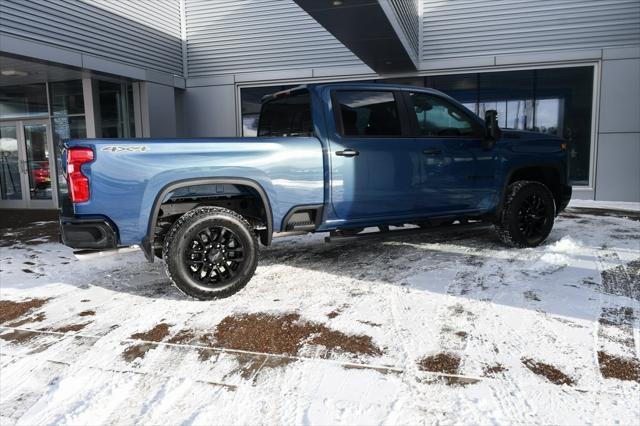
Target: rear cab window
367, 113
286, 116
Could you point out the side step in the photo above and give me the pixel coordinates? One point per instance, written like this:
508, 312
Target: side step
385, 232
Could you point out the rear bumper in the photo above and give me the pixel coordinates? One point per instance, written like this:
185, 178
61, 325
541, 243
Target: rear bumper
565, 197
88, 234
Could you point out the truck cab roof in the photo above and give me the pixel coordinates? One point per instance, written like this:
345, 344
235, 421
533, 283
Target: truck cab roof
349, 85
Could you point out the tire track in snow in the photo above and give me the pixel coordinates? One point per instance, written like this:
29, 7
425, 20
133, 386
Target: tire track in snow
616, 330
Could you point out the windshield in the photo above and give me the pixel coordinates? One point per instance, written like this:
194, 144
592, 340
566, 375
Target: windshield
286, 116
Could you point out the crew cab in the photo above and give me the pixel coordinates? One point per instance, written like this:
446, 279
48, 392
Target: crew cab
328, 158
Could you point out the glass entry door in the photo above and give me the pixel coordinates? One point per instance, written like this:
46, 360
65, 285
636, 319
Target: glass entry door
26, 161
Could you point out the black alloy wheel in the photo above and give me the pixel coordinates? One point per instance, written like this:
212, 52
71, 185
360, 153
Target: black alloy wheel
210, 253
214, 256
532, 217
527, 214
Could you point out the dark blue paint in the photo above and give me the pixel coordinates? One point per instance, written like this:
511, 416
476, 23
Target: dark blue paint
390, 181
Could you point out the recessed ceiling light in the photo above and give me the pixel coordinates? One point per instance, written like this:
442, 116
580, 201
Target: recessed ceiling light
13, 73
337, 2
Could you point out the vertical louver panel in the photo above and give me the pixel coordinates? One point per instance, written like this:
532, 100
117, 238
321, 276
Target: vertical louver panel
144, 33
235, 36
407, 15
490, 27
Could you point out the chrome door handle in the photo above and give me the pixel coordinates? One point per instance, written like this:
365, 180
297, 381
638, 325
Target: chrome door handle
348, 153
432, 152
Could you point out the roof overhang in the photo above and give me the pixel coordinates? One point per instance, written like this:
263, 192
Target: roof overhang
369, 29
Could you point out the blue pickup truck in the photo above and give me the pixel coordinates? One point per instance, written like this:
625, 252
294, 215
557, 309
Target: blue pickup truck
328, 158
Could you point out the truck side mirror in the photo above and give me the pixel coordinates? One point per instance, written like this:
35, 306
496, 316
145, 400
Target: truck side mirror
493, 131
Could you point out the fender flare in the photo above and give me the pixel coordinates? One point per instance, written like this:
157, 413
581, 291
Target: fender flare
505, 184
153, 217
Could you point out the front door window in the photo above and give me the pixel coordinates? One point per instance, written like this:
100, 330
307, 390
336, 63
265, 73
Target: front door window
440, 119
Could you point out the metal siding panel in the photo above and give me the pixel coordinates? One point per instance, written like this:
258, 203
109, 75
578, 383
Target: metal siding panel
618, 172
241, 36
406, 11
620, 97
141, 33
495, 27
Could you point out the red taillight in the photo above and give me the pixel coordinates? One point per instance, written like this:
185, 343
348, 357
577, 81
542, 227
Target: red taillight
78, 183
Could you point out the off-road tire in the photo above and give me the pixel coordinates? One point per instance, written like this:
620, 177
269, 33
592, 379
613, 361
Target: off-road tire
180, 236
511, 227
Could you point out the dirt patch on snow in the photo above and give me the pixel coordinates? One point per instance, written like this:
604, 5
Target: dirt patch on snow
19, 336
250, 366
445, 363
333, 314
286, 334
10, 310
183, 337
440, 363
493, 370
205, 354
156, 334
38, 318
71, 327
337, 311
370, 323
615, 367
136, 351
548, 371
87, 313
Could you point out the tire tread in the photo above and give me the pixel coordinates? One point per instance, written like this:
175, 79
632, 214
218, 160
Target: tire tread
192, 215
502, 225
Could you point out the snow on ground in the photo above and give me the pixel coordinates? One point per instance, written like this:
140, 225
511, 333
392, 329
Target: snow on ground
443, 327
616, 205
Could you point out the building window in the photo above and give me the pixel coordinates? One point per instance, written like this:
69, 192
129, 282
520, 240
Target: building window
23, 101
557, 101
509, 93
114, 110
564, 99
68, 119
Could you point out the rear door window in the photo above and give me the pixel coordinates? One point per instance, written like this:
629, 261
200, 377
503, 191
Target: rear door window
286, 116
368, 113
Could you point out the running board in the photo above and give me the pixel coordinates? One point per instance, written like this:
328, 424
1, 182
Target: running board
385, 232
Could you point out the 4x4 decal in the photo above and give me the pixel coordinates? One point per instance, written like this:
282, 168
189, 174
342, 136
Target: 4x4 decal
126, 148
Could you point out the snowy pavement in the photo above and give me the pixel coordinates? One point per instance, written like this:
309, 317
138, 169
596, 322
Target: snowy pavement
443, 327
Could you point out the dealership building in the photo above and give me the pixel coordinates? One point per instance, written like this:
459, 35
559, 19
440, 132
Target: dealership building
199, 68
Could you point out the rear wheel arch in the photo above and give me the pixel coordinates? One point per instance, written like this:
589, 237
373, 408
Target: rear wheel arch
253, 186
